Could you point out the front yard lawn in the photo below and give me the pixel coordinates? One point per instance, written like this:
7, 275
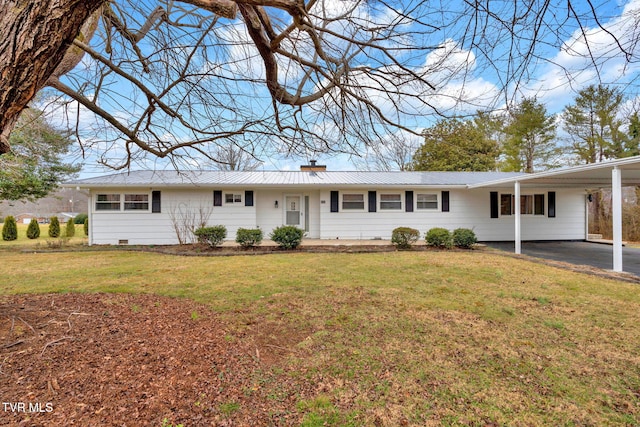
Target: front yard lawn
398, 338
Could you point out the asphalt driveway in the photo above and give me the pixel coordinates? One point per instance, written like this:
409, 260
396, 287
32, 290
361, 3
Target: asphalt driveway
580, 253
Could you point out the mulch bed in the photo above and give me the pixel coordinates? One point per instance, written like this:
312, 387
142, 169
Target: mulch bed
136, 360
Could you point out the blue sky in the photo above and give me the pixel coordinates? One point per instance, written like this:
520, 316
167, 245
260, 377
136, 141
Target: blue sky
466, 80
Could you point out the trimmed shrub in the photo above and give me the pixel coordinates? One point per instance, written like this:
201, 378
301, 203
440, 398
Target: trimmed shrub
80, 218
54, 227
9, 229
212, 236
70, 228
464, 238
86, 226
287, 236
438, 237
33, 230
404, 237
249, 237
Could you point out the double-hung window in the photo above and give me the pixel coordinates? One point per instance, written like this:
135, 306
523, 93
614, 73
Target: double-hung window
530, 204
136, 202
389, 202
231, 198
427, 201
108, 202
353, 201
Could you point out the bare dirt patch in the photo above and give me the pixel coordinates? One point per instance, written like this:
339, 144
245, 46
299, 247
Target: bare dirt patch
137, 360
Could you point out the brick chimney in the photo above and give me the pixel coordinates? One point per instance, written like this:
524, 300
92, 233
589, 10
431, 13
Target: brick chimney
313, 167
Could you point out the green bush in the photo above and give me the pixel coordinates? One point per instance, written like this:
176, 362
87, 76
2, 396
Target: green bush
249, 237
287, 236
464, 238
404, 237
212, 236
54, 227
33, 230
86, 226
439, 237
70, 228
80, 218
9, 229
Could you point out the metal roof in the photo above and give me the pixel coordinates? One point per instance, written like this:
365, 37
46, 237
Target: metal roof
590, 176
172, 178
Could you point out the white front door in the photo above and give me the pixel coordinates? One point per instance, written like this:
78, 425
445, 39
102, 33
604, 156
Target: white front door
293, 210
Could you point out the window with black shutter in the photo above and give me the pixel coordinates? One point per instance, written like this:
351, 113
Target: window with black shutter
335, 201
217, 198
248, 198
373, 201
408, 201
156, 205
495, 208
551, 201
445, 201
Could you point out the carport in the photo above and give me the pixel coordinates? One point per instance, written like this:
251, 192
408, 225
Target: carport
613, 174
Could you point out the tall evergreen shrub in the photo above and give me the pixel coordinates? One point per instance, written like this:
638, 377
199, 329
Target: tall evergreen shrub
86, 226
9, 229
71, 228
54, 227
33, 231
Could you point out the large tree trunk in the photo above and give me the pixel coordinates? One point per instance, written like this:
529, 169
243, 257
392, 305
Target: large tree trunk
34, 37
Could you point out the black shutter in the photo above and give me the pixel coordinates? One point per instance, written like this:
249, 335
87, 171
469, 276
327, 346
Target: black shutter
217, 198
494, 204
551, 201
248, 198
408, 201
373, 202
334, 201
445, 201
155, 202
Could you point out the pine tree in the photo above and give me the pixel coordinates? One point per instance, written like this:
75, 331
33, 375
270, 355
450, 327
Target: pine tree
54, 227
71, 228
33, 231
9, 229
530, 144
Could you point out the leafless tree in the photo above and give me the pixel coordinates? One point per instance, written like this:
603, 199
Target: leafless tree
178, 79
233, 158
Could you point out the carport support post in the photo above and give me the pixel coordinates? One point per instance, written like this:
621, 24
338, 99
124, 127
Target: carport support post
616, 211
517, 219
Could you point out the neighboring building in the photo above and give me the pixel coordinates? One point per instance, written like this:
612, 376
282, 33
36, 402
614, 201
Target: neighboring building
144, 207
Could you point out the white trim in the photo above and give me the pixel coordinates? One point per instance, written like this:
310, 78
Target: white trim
616, 212
518, 229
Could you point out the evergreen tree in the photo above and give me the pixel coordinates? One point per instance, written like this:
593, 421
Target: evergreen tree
33, 231
530, 138
71, 228
86, 226
456, 145
35, 165
9, 229
593, 125
54, 227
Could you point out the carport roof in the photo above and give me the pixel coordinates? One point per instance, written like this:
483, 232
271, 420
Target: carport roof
595, 175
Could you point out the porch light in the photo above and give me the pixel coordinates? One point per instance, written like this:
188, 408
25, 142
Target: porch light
275, 204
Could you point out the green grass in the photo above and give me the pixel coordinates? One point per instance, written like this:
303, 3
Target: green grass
448, 338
